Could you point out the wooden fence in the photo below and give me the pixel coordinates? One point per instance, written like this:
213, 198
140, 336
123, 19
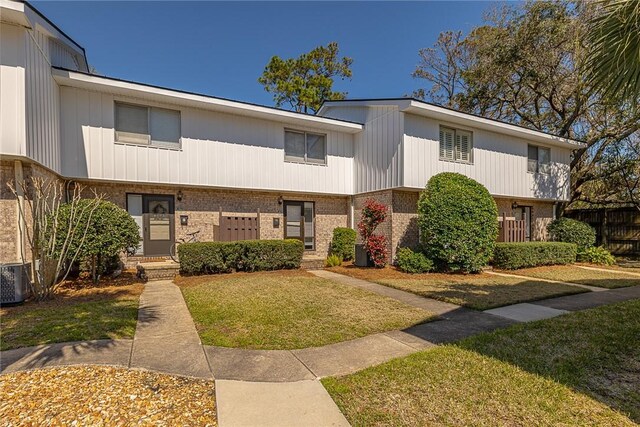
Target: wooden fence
233, 227
617, 229
511, 230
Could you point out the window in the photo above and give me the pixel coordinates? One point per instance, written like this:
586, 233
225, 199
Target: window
147, 125
305, 147
538, 159
456, 145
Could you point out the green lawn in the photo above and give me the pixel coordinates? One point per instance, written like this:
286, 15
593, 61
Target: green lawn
478, 291
573, 274
288, 310
87, 314
578, 369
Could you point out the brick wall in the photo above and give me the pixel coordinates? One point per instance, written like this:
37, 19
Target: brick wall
541, 214
8, 215
203, 206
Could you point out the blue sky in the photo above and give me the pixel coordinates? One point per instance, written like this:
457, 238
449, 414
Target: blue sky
221, 48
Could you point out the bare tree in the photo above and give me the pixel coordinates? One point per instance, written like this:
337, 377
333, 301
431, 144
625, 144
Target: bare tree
442, 66
48, 241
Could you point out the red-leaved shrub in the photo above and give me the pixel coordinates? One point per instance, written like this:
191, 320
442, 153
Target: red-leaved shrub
374, 214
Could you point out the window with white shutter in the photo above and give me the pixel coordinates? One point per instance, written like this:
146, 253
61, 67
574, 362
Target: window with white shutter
446, 143
456, 145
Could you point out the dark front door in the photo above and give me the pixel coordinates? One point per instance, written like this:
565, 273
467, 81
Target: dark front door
299, 222
158, 219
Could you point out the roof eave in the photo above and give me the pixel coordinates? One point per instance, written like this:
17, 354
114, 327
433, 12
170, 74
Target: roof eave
420, 108
133, 89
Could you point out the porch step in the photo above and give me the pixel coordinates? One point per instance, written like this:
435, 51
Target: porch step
312, 263
133, 261
161, 270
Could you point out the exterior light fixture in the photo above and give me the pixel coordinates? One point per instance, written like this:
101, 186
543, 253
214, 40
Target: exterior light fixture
179, 196
280, 200
514, 205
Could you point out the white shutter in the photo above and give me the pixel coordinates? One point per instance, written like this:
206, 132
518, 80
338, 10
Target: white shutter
463, 146
446, 143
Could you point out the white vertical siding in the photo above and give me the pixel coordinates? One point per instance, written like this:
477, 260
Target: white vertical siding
42, 102
499, 162
217, 149
62, 56
378, 148
12, 90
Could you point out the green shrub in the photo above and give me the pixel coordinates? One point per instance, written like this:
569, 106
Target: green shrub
596, 255
458, 220
260, 255
413, 262
110, 231
246, 255
333, 261
511, 256
343, 243
572, 231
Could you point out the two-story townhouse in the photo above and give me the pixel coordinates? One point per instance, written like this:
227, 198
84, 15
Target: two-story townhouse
181, 162
406, 141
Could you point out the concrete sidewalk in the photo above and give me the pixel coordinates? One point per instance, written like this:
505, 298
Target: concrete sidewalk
301, 403
166, 339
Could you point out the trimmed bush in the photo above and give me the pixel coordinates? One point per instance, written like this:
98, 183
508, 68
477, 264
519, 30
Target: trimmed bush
458, 220
109, 231
413, 262
572, 231
246, 255
597, 255
511, 256
333, 261
343, 243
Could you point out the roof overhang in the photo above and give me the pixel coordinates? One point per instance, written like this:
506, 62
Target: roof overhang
23, 14
187, 99
419, 108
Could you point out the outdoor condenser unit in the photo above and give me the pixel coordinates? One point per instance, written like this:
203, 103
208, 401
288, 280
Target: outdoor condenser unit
14, 282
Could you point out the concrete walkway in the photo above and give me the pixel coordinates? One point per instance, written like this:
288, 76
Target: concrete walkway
608, 270
281, 387
578, 285
166, 339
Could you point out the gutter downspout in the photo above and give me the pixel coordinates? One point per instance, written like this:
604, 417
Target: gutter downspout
351, 212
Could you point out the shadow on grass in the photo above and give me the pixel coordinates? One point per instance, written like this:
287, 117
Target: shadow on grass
595, 352
68, 331
491, 295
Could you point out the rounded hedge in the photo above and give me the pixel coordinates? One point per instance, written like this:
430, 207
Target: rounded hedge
572, 231
109, 229
343, 243
458, 222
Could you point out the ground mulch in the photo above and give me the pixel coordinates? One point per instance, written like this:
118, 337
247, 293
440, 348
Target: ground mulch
104, 396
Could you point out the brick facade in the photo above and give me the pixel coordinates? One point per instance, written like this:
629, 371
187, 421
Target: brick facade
542, 213
8, 215
203, 206
401, 229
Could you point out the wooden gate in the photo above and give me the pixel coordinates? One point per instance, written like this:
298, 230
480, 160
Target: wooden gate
233, 227
512, 230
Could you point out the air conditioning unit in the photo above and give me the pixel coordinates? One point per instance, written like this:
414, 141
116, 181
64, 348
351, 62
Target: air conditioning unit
14, 282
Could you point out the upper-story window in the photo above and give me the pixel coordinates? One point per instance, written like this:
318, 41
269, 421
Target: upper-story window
539, 159
306, 147
139, 124
456, 145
